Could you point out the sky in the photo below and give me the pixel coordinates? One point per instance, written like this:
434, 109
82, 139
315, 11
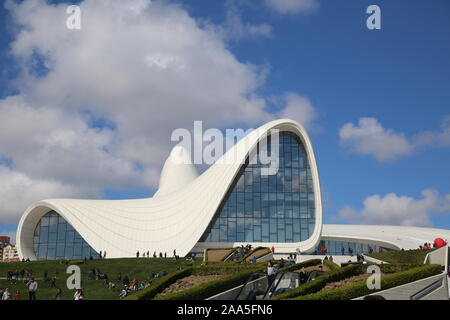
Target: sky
89, 113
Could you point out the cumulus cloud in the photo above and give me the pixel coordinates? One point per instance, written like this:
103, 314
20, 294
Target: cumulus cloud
292, 6
396, 210
432, 138
18, 191
298, 108
96, 107
235, 28
369, 137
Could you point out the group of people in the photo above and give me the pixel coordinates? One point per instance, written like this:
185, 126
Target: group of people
22, 275
160, 255
32, 288
323, 250
426, 246
133, 286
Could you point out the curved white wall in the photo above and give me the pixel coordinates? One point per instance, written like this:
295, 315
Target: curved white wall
174, 219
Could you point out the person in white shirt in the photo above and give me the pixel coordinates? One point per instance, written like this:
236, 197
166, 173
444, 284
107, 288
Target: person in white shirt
78, 295
271, 272
6, 295
32, 288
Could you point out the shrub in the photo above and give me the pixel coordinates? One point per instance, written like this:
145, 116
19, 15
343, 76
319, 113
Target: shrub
227, 268
304, 264
359, 289
331, 265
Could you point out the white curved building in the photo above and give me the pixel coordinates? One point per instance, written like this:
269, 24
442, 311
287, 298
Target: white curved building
235, 201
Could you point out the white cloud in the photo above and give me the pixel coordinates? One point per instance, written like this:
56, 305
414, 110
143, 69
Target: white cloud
369, 137
397, 210
18, 191
432, 138
144, 68
298, 108
292, 6
234, 28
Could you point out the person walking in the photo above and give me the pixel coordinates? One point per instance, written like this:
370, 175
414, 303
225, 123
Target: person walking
32, 288
53, 282
104, 255
270, 272
137, 254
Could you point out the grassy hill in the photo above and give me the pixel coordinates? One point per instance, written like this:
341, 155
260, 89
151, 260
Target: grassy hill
93, 289
407, 256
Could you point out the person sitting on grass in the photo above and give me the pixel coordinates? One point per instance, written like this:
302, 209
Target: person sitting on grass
123, 293
79, 295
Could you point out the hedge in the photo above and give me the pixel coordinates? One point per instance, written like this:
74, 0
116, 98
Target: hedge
331, 265
210, 289
226, 268
359, 289
304, 264
320, 282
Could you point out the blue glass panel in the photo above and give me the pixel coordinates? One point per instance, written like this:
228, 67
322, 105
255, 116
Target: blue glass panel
56, 239
283, 197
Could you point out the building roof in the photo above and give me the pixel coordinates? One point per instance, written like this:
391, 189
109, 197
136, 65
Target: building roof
395, 237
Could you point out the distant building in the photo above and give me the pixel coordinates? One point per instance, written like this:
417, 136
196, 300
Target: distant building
10, 253
4, 241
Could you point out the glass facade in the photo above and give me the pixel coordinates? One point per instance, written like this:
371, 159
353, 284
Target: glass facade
274, 208
56, 239
339, 248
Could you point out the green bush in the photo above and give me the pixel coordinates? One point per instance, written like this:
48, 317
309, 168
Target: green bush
397, 267
210, 289
331, 265
304, 264
320, 282
227, 268
359, 289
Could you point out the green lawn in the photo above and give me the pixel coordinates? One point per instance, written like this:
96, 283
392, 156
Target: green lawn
93, 289
407, 256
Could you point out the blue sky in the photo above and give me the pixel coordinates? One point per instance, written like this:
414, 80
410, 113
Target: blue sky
399, 75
